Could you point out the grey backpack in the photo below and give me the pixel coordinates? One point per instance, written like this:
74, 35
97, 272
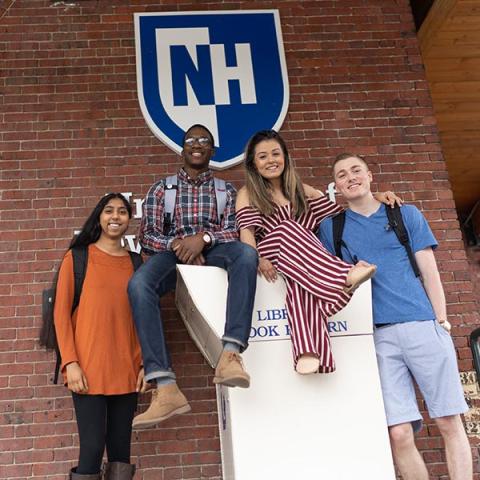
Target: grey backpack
170, 199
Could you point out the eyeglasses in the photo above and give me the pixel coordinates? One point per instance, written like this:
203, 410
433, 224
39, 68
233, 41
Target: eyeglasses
202, 141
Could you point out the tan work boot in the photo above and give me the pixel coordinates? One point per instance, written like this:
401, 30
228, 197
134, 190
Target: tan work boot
230, 371
167, 400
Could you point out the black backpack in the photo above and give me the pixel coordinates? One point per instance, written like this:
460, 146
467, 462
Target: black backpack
395, 222
48, 337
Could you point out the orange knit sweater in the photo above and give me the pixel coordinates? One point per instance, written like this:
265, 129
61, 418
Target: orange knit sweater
100, 335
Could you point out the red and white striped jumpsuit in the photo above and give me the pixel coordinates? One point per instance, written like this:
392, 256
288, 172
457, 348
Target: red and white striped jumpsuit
315, 279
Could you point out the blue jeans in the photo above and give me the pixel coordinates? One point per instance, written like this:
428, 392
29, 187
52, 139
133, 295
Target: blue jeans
158, 276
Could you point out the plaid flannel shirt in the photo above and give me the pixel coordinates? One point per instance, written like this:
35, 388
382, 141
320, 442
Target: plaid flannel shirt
195, 211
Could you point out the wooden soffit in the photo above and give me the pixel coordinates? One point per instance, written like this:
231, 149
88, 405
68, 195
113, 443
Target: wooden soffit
450, 44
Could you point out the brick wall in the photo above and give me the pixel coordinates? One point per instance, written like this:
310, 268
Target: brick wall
71, 130
473, 255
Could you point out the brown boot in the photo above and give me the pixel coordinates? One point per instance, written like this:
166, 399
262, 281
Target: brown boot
230, 371
78, 476
119, 471
167, 400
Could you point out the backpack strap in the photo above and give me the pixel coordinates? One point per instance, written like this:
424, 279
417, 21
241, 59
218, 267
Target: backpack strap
170, 197
58, 362
338, 223
395, 221
136, 259
221, 196
170, 194
80, 260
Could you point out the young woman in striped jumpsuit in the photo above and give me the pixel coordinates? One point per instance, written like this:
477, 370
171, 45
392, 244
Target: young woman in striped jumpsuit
278, 215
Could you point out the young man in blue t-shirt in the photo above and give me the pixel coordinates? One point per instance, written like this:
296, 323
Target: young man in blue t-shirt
411, 331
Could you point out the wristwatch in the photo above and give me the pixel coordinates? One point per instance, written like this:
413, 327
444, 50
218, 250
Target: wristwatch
207, 239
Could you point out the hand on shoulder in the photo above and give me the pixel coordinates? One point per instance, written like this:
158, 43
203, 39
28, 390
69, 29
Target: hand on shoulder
389, 198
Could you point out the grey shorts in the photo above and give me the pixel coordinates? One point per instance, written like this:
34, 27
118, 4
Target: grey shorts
424, 352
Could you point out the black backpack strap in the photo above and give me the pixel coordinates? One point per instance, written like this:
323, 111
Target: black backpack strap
58, 362
137, 260
338, 223
80, 260
395, 220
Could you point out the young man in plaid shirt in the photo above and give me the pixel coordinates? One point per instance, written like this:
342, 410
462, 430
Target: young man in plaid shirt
195, 236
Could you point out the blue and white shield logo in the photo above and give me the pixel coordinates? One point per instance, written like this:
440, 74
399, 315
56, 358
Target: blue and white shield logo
225, 70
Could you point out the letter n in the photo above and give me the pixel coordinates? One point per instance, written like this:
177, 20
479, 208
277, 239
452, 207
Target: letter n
190, 76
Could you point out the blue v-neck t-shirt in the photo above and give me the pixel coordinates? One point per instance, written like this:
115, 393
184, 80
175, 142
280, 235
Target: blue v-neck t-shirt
397, 295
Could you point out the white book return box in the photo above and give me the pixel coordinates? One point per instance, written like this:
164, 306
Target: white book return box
288, 426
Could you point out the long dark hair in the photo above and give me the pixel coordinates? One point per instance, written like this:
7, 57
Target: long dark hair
91, 229
259, 189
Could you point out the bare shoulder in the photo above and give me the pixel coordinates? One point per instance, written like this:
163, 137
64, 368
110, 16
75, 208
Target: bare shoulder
243, 199
311, 192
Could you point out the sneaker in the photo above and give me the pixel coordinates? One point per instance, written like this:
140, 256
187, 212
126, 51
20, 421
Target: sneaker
166, 401
230, 371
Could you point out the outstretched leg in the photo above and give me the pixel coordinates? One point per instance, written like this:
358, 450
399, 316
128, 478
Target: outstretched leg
309, 331
316, 289
153, 279
241, 262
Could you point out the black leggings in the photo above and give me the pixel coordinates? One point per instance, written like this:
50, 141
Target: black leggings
103, 421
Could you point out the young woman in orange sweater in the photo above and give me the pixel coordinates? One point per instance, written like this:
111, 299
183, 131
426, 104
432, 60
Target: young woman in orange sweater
101, 358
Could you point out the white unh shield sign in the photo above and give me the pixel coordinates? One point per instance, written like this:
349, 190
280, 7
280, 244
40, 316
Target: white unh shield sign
225, 70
